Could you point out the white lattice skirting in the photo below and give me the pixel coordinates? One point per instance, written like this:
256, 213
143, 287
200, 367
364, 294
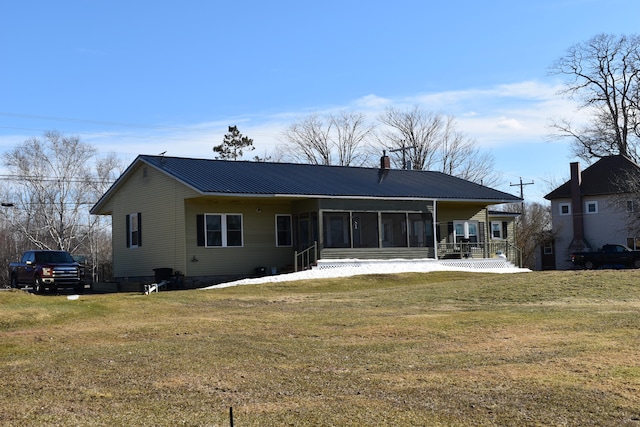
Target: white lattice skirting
417, 265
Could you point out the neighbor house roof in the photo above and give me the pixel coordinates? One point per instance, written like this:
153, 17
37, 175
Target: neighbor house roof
609, 175
237, 178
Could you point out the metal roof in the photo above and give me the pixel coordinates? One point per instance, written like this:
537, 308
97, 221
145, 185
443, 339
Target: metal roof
221, 177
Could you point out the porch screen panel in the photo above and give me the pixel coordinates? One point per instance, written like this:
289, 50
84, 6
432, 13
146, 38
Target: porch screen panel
305, 229
420, 230
364, 226
314, 227
336, 230
394, 230
303, 235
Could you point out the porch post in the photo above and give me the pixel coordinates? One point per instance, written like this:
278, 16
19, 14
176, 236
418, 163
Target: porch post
379, 229
434, 223
321, 230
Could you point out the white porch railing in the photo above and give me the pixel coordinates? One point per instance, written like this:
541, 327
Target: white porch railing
480, 250
303, 260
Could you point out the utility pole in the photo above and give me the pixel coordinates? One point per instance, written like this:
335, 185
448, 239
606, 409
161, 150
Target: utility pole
521, 185
404, 153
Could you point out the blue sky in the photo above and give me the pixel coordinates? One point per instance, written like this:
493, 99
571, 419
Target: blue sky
142, 77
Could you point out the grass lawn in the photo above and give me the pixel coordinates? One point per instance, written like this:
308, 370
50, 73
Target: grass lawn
443, 348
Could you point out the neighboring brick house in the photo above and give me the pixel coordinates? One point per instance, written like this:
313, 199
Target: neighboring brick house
595, 207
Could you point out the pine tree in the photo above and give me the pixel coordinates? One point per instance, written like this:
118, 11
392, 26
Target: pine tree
233, 145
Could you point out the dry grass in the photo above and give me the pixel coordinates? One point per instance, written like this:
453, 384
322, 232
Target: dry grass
544, 348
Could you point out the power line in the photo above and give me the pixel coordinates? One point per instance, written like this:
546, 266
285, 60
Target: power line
97, 122
53, 179
110, 123
132, 136
104, 134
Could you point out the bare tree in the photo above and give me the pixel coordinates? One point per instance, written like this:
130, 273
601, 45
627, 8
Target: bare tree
604, 76
430, 141
340, 139
533, 227
308, 141
417, 131
10, 242
351, 136
97, 246
460, 156
54, 189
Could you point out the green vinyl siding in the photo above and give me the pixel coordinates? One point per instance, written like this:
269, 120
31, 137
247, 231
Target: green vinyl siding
447, 213
259, 238
162, 219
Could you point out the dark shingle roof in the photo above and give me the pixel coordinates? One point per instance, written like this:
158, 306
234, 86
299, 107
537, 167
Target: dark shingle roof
609, 175
219, 177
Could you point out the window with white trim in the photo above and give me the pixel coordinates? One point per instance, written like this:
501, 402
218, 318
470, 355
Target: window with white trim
283, 230
465, 231
134, 228
496, 230
591, 207
565, 208
222, 230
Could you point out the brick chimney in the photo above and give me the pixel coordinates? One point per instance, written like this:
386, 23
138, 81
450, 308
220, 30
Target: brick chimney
385, 162
577, 211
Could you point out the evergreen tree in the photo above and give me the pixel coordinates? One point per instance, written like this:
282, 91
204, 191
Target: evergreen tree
233, 145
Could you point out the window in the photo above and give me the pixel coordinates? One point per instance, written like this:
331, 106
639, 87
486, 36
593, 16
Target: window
548, 248
283, 230
233, 230
219, 230
134, 230
632, 206
496, 230
591, 207
499, 230
565, 208
633, 243
465, 231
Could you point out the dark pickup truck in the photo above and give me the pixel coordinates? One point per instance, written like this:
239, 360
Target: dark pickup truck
44, 269
609, 255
